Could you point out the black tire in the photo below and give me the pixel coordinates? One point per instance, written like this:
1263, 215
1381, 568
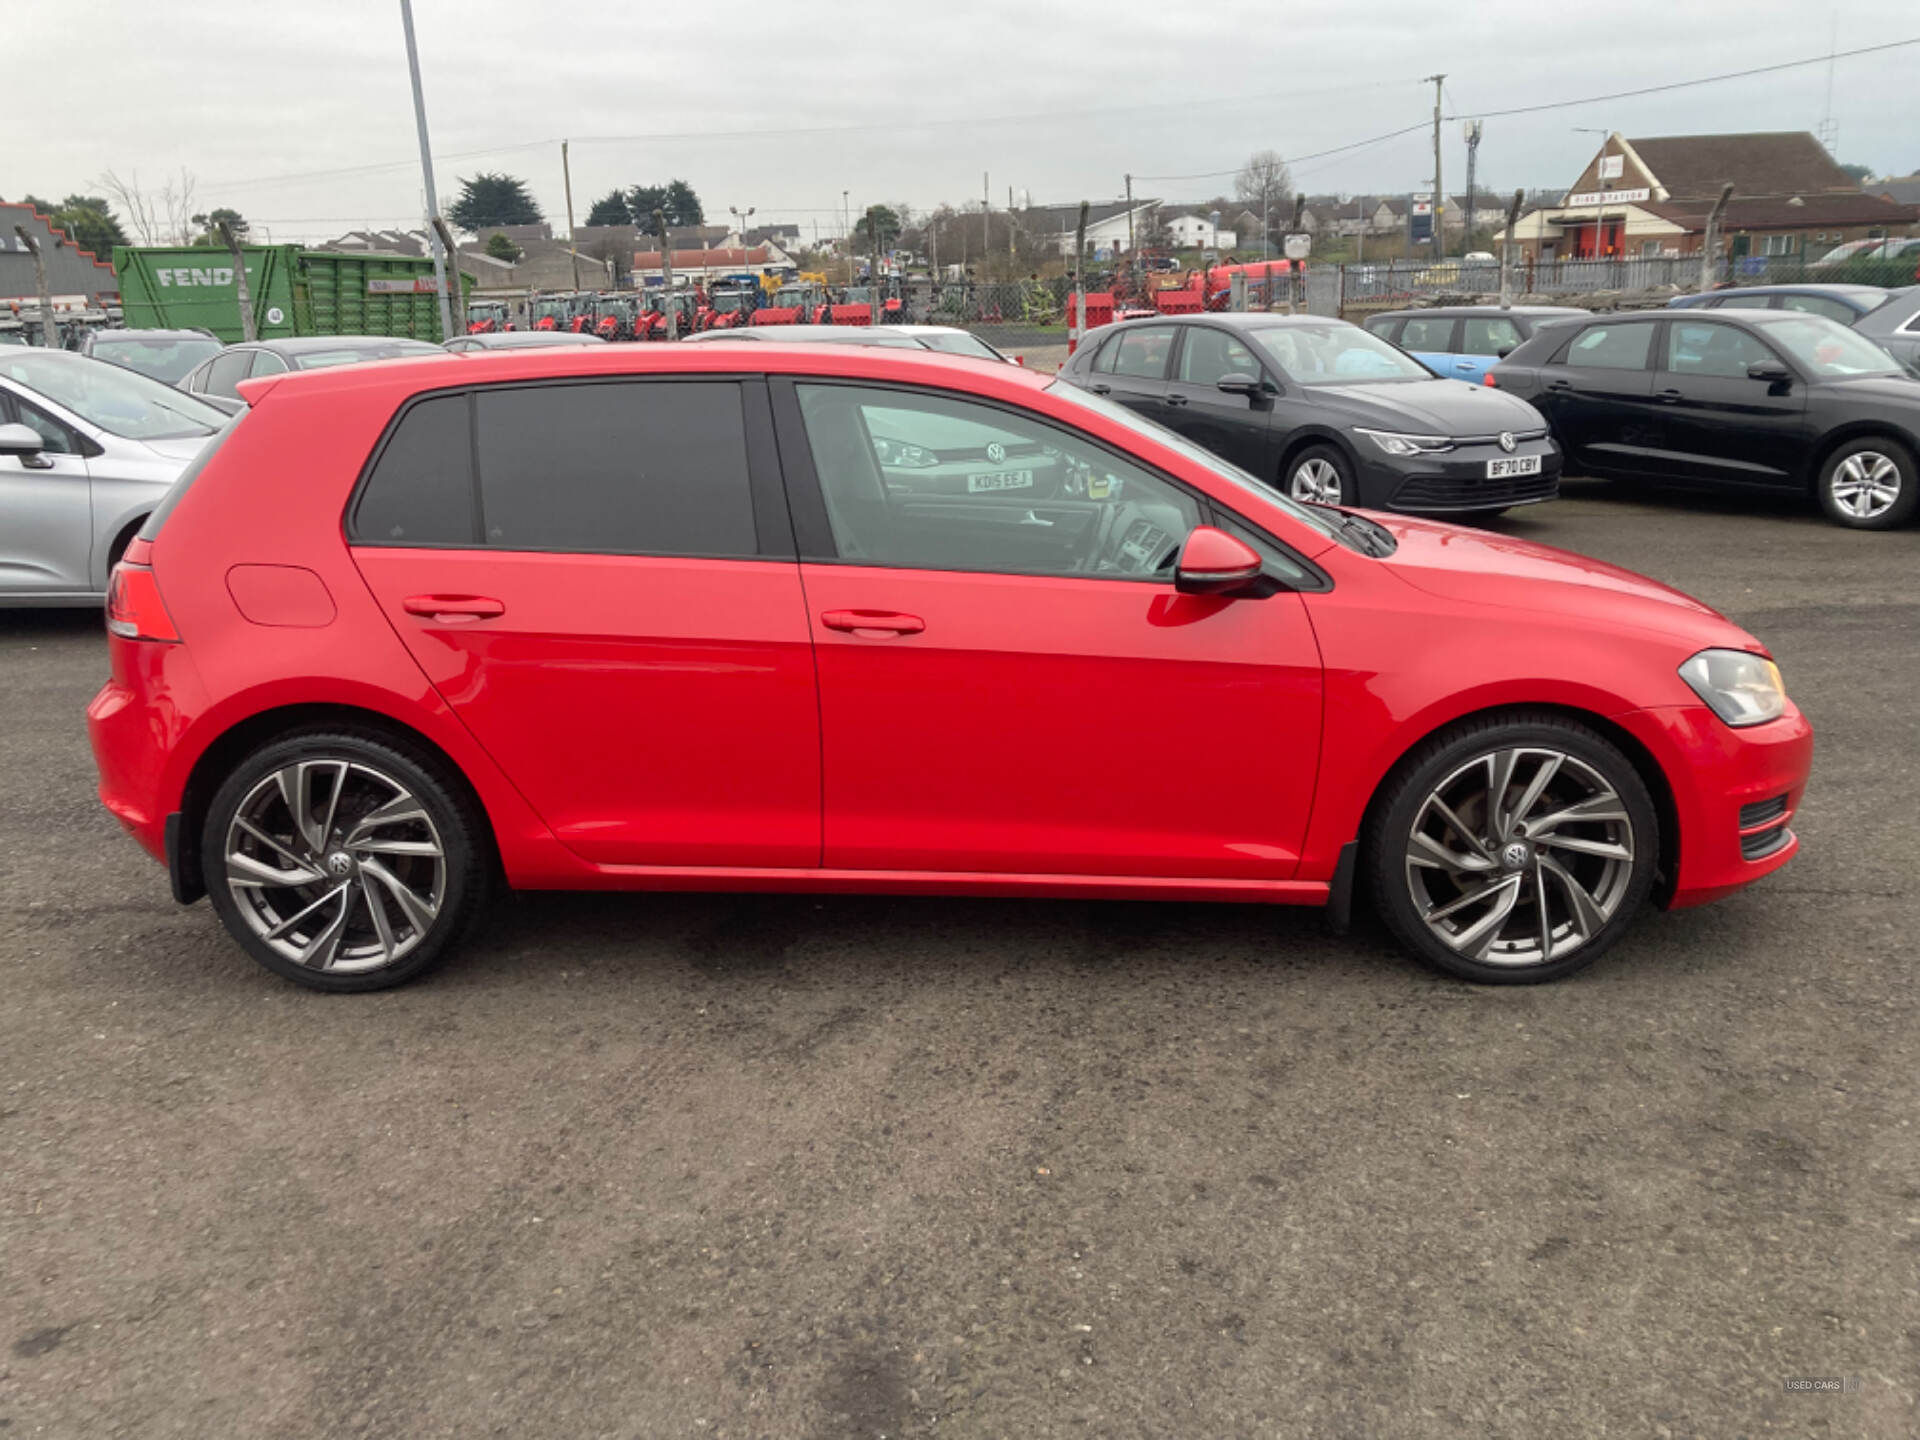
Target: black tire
354, 765
1302, 475
1446, 760
1881, 459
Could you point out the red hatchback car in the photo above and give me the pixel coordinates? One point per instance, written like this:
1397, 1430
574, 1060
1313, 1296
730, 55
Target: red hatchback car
683, 619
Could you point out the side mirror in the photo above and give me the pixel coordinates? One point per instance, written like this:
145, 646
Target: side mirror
1240, 383
1774, 372
1506, 350
1213, 562
24, 442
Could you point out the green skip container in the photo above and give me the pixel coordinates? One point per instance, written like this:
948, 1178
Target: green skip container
293, 292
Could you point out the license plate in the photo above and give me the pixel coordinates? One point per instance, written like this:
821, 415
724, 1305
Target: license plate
1000, 480
1518, 465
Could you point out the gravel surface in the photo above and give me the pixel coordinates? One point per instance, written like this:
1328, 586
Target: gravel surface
773, 1166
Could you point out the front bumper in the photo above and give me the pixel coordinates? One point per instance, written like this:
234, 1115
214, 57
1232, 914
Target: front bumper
1735, 794
1456, 481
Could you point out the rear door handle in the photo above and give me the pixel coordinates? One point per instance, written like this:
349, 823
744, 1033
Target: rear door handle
1463, 365
453, 609
1176, 399
1101, 389
873, 624
1559, 385
1668, 397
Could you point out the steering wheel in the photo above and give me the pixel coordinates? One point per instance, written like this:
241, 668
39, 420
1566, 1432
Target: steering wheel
1148, 555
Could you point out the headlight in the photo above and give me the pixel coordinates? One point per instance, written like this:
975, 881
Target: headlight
901, 455
1740, 688
1407, 444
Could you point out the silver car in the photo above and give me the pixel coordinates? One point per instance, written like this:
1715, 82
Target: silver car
86, 450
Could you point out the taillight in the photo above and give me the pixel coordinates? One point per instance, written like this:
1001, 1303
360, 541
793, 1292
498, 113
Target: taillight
1487, 380
135, 610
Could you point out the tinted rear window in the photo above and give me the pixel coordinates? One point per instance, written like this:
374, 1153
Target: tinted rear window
421, 488
646, 468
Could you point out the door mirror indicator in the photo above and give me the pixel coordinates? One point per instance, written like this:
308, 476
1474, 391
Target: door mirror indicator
1213, 562
1774, 372
24, 442
1239, 383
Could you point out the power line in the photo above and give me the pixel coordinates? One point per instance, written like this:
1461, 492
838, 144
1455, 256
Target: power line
1301, 159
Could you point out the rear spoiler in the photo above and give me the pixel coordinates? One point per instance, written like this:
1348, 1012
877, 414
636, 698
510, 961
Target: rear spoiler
254, 391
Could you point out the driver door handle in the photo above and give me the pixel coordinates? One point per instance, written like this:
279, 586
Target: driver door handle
453, 609
1558, 385
1176, 399
1668, 397
1101, 389
872, 624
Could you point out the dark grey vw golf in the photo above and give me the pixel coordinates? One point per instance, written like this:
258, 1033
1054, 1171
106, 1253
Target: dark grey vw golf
1325, 412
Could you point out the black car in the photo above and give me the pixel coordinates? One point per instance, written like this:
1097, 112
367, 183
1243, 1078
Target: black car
220, 377
163, 355
1778, 400
1845, 303
1896, 326
1326, 412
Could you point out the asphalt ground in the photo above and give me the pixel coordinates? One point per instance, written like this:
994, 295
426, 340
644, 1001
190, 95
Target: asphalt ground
719, 1166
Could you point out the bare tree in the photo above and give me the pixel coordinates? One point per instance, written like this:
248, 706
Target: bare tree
1265, 186
159, 217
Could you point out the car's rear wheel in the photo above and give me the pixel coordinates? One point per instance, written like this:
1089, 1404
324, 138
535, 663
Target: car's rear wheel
342, 862
1321, 475
1869, 484
1514, 849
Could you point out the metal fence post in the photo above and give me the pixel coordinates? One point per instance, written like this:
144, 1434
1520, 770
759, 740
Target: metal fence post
1710, 242
666, 275
1506, 251
49, 333
247, 330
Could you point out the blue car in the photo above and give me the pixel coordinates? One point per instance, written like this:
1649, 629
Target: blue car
1463, 342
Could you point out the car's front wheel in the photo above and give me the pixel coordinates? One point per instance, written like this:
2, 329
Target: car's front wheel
1869, 484
1514, 849
342, 862
1321, 475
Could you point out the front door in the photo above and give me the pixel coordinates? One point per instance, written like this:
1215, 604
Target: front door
46, 509
1237, 427
1600, 399
1722, 425
602, 592
1013, 687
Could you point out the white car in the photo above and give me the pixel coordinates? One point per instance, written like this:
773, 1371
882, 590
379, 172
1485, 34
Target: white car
949, 339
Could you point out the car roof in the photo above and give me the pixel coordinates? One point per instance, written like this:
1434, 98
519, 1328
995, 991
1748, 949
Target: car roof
510, 339
441, 369
157, 333
1836, 289
305, 344
807, 334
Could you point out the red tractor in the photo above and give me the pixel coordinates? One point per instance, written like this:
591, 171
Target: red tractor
729, 304
651, 321
794, 304
486, 317
614, 317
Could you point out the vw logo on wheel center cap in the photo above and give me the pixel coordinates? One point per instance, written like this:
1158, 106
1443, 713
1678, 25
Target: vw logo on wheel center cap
340, 864
1515, 854
1507, 442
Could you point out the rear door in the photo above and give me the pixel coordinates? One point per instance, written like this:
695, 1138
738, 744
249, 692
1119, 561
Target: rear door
1432, 340
1132, 369
1237, 427
1016, 688
1599, 397
1720, 424
1483, 338
46, 507
599, 578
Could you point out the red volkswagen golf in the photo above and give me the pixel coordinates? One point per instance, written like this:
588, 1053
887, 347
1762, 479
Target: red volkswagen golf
684, 618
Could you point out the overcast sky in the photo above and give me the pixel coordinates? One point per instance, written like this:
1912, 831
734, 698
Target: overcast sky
784, 108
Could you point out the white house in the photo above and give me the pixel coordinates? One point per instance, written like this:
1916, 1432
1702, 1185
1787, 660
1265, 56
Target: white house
1109, 226
1192, 230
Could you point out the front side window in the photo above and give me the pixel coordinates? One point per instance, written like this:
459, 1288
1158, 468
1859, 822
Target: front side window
1489, 335
1140, 354
121, 402
1428, 333
1611, 347
1210, 355
55, 438
930, 482
1333, 352
1703, 348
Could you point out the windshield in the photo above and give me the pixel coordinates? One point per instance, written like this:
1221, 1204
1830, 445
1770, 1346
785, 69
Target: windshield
1335, 353
164, 357
1323, 521
1829, 349
961, 344
398, 350
121, 402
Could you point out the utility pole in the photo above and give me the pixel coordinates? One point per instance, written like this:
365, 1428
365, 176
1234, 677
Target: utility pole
1133, 254
1473, 149
846, 219
1079, 325
566, 174
1010, 228
247, 332
1439, 188
1506, 249
666, 275
1709, 243
986, 221
48, 335
441, 260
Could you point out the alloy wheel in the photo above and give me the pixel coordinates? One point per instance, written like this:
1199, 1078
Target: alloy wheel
335, 865
1520, 857
1865, 485
1316, 481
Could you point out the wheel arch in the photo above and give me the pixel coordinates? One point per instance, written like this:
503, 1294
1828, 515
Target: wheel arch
1645, 765
1862, 429
1305, 438
226, 750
